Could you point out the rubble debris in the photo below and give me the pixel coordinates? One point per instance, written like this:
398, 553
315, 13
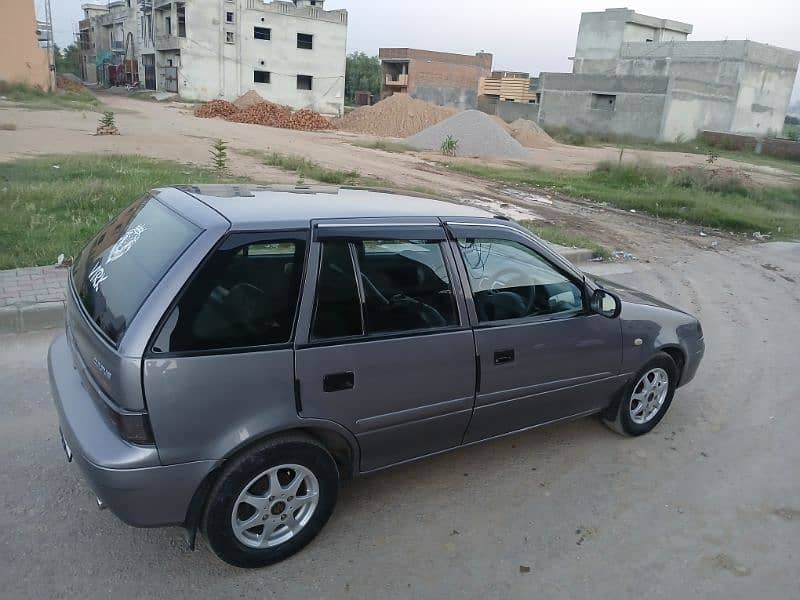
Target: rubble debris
622, 255
530, 134
399, 115
761, 237
68, 84
214, 109
477, 135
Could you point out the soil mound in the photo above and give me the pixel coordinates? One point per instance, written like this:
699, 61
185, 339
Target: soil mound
399, 115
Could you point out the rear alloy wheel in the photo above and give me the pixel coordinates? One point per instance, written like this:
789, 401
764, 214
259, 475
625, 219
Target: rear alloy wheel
646, 399
271, 501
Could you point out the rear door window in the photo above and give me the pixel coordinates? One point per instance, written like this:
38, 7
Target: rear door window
373, 287
337, 311
118, 270
406, 286
245, 296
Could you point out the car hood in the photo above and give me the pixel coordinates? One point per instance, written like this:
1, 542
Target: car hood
633, 296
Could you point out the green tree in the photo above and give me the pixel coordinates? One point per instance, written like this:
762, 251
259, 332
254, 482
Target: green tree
363, 73
67, 59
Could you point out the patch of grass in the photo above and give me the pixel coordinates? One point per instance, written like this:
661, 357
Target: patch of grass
557, 235
35, 98
308, 169
695, 196
45, 210
567, 136
8, 127
385, 145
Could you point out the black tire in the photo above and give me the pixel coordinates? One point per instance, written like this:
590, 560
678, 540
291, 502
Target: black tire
295, 449
618, 416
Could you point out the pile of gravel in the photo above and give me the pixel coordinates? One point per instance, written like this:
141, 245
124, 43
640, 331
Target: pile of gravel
477, 134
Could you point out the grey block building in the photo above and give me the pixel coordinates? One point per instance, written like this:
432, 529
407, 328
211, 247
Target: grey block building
640, 76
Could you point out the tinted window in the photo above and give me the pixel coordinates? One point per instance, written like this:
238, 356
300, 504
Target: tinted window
116, 272
406, 286
511, 281
337, 310
242, 297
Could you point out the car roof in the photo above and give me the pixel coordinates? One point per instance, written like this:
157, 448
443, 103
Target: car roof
270, 207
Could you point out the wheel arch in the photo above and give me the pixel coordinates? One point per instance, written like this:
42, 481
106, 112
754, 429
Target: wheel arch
344, 451
678, 356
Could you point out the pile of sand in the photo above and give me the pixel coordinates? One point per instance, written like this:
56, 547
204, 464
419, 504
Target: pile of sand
529, 134
399, 115
477, 134
248, 99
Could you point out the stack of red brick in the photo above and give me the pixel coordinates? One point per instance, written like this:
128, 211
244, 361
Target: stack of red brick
265, 113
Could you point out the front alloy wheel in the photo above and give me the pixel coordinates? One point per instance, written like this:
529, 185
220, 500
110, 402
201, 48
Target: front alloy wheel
645, 401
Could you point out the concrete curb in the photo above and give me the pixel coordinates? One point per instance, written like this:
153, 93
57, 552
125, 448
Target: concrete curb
31, 317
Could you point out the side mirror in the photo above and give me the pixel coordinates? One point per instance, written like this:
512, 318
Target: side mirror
606, 304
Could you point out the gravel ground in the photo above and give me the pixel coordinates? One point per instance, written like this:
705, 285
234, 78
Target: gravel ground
706, 506
477, 133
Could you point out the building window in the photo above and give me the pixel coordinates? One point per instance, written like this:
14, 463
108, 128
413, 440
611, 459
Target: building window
305, 41
604, 101
262, 33
305, 82
229, 17
181, 21
230, 37
261, 76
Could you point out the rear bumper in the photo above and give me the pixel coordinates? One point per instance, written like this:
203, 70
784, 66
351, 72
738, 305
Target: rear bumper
128, 479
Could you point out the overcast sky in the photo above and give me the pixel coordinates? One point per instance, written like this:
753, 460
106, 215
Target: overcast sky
524, 35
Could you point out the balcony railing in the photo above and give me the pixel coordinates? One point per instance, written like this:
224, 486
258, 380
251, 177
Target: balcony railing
397, 80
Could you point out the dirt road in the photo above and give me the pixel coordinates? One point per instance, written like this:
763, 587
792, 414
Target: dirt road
706, 506
170, 131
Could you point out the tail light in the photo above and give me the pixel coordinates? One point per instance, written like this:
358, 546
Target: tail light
133, 427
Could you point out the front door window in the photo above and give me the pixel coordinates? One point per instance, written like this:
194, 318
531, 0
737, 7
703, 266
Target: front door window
511, 281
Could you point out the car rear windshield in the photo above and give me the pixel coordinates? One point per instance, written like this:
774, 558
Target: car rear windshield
119, 268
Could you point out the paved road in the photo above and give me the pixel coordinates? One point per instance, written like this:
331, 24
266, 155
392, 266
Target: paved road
707, 506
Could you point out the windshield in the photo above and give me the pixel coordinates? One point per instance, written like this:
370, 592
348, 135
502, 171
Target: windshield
119, 268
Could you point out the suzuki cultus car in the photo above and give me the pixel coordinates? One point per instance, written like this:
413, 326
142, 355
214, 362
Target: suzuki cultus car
231, 352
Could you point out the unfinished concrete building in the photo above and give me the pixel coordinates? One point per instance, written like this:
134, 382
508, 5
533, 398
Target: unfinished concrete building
442, 78
23, 59
640, 76
290, 52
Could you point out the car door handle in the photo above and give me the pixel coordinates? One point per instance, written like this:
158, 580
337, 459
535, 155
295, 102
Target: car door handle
502, 357
338, 382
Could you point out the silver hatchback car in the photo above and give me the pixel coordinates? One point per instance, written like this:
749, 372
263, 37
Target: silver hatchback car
232, 352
